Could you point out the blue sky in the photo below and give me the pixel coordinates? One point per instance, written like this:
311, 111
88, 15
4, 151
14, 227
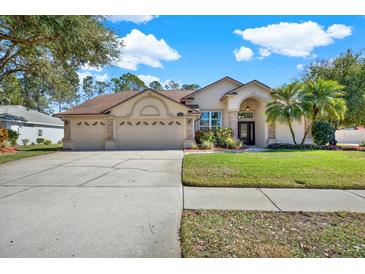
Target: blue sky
201, 49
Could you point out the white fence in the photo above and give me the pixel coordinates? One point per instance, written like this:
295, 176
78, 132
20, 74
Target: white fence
350, 136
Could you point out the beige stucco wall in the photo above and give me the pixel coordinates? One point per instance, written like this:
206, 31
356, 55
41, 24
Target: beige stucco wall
209, 99
283, 134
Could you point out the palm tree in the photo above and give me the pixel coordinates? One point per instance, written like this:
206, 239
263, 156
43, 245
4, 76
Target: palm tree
322, 101
286, 105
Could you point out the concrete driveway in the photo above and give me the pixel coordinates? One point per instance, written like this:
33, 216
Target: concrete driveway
92, 204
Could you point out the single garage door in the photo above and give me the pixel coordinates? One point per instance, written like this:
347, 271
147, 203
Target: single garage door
150, 134
88, 135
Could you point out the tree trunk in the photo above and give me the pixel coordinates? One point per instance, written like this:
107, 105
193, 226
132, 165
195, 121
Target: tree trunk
292, 131
314, 118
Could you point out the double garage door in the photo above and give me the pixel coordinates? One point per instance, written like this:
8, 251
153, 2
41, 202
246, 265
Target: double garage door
130, 134
150, 134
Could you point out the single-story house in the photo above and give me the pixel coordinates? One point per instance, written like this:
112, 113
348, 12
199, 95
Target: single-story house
31, 124
169, 119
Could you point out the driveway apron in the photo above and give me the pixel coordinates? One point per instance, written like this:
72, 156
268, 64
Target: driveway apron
92, 204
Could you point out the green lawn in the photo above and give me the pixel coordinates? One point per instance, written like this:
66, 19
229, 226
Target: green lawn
246, 234
29, 151
292, 169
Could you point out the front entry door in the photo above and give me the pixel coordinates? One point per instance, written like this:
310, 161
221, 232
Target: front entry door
246, 132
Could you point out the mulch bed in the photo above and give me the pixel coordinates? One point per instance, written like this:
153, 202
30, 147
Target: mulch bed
5, 150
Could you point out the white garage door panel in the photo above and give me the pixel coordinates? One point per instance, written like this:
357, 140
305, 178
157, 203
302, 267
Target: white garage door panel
150, 136
88, 137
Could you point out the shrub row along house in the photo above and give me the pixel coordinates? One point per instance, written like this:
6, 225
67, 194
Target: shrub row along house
169, 119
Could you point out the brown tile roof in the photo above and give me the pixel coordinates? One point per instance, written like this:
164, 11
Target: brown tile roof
100, 103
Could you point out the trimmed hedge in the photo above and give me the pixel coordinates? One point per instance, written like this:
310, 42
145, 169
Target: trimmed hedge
314, 147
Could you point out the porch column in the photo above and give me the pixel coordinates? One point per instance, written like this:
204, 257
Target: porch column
109, 141
189, 132
67, 140
233, 122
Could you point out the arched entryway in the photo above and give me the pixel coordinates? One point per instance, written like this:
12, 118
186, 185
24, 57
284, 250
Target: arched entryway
251, 122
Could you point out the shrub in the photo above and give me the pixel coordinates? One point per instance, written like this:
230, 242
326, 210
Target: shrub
32, 144
47, 142
362, 144
207, 144
222, 135
40, 141
13, 137
323, 133
233, 144
194, 146
25, 141
3, 136
312, 147
207, 135
59, 142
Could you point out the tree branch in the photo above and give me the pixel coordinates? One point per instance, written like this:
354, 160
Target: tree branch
28, 41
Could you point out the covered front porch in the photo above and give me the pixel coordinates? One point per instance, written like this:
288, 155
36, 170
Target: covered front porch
247, 118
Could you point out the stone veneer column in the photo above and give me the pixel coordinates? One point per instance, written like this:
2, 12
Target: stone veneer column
109, 140
233, 122
67, 135
67, 130
189, 134
109, 129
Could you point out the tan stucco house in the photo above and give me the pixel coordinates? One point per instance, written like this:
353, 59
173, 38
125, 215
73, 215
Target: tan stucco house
168, 119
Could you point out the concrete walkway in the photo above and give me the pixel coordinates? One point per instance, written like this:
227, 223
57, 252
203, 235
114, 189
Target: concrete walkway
271, 199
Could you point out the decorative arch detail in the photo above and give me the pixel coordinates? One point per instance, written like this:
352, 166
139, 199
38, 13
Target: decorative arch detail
139, 107
149, 110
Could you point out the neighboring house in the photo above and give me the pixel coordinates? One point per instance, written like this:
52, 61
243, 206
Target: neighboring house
168, 119
350, 135
31, 124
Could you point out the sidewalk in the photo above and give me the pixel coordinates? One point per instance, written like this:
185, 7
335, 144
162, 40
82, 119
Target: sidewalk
274, 199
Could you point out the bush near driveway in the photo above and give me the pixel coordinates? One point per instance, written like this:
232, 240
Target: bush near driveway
272, 234
291, 169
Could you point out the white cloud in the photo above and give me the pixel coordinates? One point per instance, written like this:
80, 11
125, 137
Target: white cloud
102, 77
84, 74
147, 79
294, 39
264, 53
338, 31
138, 19
145, 49
300, 67
87, 67
243, 54
97, 77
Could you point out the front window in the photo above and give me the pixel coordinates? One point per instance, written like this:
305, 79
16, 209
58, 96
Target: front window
210, 120
40, 132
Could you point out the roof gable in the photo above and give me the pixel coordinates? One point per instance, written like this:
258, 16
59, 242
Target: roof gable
253, 82
101, 103
159, 94
226, 78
